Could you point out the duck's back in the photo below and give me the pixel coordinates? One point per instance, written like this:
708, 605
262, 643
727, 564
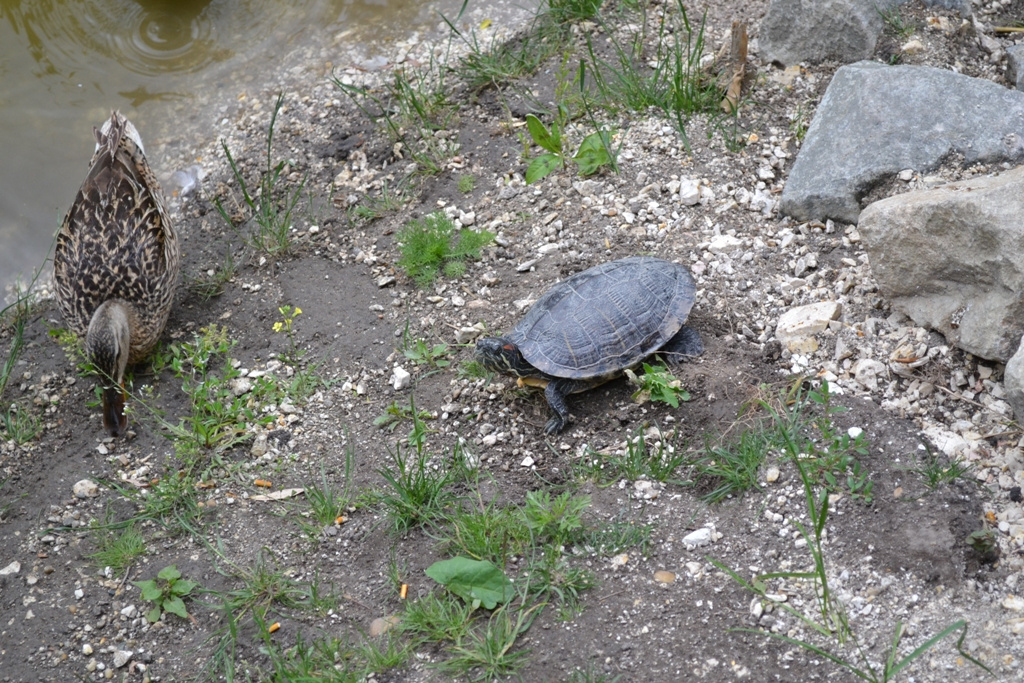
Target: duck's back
116, 241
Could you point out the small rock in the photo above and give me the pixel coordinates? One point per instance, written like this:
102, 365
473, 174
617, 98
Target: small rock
400, 379
1012, 602
798, 325
130, 612
259, 446
86, 488
382, 625
698, 538
87, 649
240, 386
385, 280
772, 474
492, 439
527, 462
121, 657
12, 569
526, 265
664, 577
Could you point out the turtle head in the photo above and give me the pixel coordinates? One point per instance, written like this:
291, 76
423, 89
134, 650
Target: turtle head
498, 354
106, 345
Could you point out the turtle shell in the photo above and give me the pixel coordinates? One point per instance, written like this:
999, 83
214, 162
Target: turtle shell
605, 319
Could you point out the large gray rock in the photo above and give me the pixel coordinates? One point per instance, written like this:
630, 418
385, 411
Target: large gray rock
1013, 383
877, 120
952, 258
1015, 66
795, 31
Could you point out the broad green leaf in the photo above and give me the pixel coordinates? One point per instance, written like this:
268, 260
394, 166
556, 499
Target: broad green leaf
475, 581
591, 155
150, 591
153, 615
176, 605
183, 587
551, 141
170, 573
542, 166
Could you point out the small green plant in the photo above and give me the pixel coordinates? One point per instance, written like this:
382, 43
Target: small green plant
373, 207
466, 183
592, 154
658, 384
422, 353
895, 24
431, 246
289, 313
556, 521
935, 472
117, 548
270, 207
167, 592
986, 544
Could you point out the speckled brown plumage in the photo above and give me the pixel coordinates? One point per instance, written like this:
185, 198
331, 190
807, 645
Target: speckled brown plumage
117, 245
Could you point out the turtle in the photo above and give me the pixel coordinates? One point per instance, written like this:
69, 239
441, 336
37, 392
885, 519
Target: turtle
593, 326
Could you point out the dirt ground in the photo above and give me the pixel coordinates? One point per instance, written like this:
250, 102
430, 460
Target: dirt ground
902, 557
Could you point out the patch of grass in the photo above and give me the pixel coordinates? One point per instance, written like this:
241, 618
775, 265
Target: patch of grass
565, 11
270, 206
636, 460
326, 503
500, 63
472, 369
729, 469
832, 622
415, 106
484, 532
432, 246
486, 652
437, 617
373, 207
588, 675
676, 83
117, 548
211, 284
19, 424
616, 536
466, 183
895, 24
416, 492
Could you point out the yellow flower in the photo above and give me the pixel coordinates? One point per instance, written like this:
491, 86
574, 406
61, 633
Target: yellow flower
278, 327
298, 311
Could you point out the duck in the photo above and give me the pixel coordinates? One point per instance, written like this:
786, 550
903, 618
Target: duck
116, 262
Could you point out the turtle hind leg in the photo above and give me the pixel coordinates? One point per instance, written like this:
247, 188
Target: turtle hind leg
686, 342
555, 392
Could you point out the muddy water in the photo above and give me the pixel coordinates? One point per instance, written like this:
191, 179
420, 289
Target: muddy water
65, 64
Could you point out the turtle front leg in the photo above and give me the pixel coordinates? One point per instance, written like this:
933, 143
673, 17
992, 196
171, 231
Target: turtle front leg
555, 392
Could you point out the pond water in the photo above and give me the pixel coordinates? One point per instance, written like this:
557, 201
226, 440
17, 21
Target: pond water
64, 65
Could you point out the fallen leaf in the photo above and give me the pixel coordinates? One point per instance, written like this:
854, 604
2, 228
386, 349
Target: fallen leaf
278, 495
